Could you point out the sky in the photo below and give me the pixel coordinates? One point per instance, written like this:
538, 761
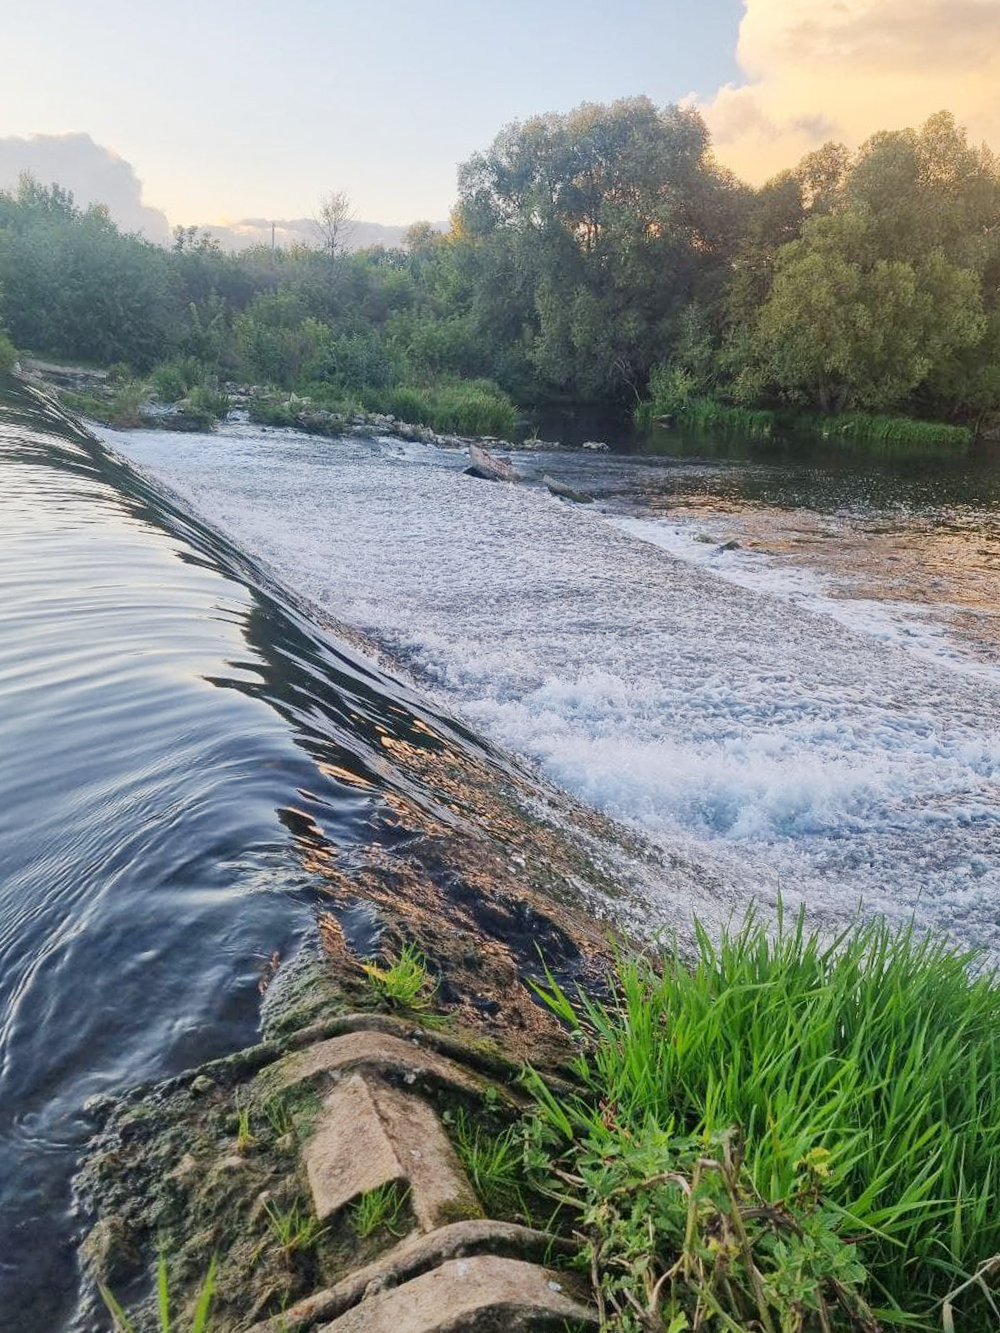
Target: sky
219, 110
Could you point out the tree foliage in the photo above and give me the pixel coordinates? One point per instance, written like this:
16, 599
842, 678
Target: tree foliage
591, 257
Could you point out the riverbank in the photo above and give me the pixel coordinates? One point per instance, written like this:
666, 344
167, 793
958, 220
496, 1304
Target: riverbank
878, 433
668, 1160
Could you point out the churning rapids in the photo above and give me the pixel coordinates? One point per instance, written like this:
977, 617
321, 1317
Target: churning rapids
177, 719
784, 740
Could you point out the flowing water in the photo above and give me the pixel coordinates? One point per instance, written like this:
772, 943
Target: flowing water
169, 726
816, 714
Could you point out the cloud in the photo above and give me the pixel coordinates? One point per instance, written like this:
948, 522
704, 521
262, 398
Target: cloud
822, 69
94, 174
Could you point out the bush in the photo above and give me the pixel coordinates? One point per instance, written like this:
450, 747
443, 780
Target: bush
172, 380
875, 1058
204, 399
356, 360
463, 407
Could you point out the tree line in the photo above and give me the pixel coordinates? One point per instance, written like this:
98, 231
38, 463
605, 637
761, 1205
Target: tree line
602, 256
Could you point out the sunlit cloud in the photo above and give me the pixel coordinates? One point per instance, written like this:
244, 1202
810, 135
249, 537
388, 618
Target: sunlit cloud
842, 69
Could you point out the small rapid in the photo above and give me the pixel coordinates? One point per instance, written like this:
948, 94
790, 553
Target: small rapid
783, 743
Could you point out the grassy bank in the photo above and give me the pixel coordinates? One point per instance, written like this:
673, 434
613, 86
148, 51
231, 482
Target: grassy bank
874, 432
890, 434
787, 1135
707, 414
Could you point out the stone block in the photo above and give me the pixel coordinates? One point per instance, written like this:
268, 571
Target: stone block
483, 1294
379, 1053
349, 1153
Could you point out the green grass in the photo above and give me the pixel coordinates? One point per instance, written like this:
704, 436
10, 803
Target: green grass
890, 434
461, 407
709, 414
880, 1051
381, 1209
200, 1322
404, 983
294, 1228
493, 1161
122, 408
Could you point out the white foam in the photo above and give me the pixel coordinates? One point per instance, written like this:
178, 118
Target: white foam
907, 624
735, 712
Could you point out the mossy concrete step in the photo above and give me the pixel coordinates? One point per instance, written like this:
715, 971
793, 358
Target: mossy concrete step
376, 1053
484, 1294
415, 1255
370, 1134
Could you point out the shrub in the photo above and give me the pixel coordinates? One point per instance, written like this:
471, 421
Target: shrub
172, 380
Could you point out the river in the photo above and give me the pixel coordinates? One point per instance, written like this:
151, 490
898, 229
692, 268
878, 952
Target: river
813, 712
174, 733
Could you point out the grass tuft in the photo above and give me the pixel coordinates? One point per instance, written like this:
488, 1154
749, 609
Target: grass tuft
493, 1162
294, 1228
405, 982
871, 1062
381, 1209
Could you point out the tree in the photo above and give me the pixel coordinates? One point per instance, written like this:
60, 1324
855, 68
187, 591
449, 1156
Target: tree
845, 326
335, 222
610, 218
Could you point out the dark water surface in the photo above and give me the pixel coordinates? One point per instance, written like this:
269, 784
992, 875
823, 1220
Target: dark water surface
166, 725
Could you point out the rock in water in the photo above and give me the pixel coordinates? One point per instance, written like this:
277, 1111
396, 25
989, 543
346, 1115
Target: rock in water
598, 445
566, 492
487, 467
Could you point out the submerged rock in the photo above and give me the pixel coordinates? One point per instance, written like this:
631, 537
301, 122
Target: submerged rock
567, 492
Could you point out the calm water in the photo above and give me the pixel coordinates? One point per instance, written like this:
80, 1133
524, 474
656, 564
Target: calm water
166, 725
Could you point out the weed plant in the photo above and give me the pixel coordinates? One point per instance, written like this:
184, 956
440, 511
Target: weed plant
405, 982
871, 1063
381, 1209
199, 1323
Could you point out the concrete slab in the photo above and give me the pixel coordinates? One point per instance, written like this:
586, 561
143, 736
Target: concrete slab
439, 1188
350, 1152
379, 1053
482, 1294
412, 1256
